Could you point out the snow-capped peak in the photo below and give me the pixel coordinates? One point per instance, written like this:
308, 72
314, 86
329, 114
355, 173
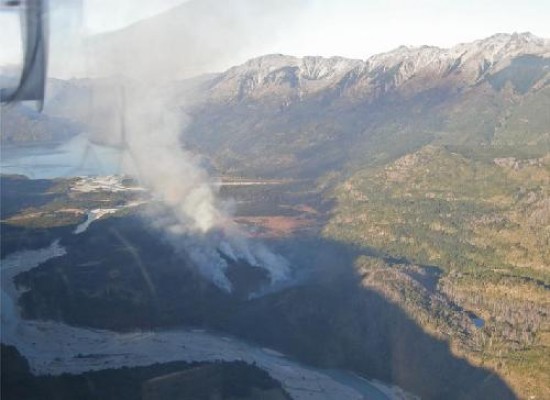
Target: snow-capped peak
313, 68
468, 62
504, 45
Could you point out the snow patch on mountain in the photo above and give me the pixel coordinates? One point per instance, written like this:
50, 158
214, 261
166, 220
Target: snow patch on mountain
293, 77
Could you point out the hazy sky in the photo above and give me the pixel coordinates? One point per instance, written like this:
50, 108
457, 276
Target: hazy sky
350, 28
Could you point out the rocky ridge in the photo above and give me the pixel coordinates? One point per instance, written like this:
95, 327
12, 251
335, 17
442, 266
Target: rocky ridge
466, 64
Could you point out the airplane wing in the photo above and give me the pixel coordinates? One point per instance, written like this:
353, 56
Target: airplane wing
32, 83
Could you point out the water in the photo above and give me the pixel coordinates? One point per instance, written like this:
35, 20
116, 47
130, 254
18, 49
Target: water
92, 216
53, 348
13, 265
77, 157
478, 322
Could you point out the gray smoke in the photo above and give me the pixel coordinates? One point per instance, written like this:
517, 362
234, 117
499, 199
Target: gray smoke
138, 112
197, 222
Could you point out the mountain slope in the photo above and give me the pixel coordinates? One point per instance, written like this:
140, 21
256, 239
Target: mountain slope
283, 115
484, 222
312, 115
21, 125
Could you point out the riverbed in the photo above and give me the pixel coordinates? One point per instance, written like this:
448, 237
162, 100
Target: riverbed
55, 348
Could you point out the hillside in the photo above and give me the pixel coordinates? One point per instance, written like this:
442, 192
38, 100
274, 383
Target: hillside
415, 191
285, 116
281, 115
483, 222
120, 274
23, 125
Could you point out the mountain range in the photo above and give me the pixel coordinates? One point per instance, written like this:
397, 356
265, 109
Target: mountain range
309, 115
433, 161
289, 116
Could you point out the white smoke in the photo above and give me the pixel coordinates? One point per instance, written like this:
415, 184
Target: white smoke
198, 222
136, 112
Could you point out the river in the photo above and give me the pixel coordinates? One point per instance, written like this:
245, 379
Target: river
77, 157
56, 348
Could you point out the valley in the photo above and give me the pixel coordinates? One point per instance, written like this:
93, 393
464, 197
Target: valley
114, 292
409, 193
79, 350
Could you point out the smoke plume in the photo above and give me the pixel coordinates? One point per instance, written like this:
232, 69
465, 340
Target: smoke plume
139, 112
192, 215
